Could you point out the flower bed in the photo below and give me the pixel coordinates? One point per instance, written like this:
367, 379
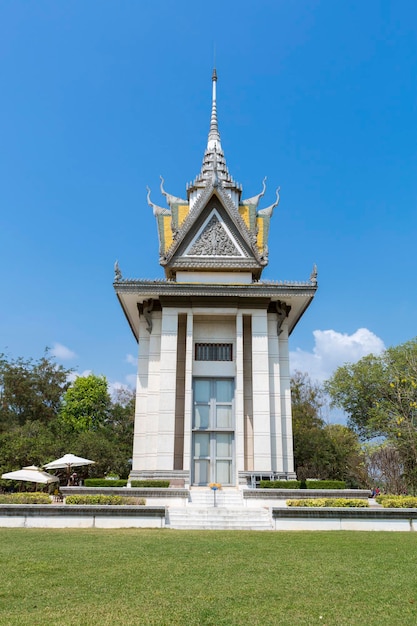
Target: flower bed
397, 502
329, 502
33, 497
104, 500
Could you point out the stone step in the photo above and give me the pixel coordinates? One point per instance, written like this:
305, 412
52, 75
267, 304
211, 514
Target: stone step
218, 518
223, 498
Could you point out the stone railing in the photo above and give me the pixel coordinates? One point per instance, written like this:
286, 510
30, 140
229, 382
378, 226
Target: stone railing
81, 516
332, 518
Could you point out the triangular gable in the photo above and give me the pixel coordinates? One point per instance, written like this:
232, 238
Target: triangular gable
187, 232
214, 239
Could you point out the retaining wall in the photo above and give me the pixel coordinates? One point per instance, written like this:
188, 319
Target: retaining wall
80, 516
307, 518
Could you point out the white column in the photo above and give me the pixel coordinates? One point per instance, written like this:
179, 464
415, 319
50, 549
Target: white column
167, 392
239, 416
152, 415
286, 415
188, 403
260, 377
275, 394
141, 405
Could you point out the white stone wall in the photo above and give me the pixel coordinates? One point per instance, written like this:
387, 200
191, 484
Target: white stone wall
261, 400
286, 414
277, 461
157, 379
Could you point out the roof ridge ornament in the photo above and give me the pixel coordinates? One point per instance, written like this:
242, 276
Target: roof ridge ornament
117, 272
169, 198
254, 200
313, 275
270, 209
157, 210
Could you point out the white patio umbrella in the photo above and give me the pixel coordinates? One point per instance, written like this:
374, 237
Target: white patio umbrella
68, 461
31, 474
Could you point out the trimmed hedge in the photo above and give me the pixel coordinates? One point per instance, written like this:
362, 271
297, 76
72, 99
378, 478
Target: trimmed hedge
156, 484
397, 502
279, 484
33, 497
105, 482
103, 500
334, 502
298, 484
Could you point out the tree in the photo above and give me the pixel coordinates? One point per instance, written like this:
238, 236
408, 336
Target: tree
33, 443
30, 390
86, 404
379, 394
43, 415
347, 460
384, 467
325, 451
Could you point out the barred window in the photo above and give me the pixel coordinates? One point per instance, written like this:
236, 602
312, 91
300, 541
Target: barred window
213, 352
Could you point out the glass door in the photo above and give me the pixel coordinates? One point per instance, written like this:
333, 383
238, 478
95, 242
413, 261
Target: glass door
213, 431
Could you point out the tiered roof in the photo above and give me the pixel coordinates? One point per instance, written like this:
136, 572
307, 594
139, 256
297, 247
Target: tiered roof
213, 229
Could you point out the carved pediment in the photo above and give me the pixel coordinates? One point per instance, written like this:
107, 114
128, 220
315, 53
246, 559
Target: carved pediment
214, 239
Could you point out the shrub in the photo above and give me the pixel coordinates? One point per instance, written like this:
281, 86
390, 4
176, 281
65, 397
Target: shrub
326, 484
103, 500
157, 484
326, 502
306, 502
397, 502
34, 497
104, 482
279, 484
380, 499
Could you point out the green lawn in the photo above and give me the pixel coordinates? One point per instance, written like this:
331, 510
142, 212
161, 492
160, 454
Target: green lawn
130, 577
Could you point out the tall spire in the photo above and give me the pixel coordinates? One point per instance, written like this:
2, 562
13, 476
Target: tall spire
214, 164
213, 142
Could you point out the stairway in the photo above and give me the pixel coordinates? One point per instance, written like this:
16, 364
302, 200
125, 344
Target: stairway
228, 514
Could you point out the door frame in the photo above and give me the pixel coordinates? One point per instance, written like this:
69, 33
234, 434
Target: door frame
212, 430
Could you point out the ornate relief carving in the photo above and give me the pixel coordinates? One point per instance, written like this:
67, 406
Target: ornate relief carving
214, 241
282, 313
147, 313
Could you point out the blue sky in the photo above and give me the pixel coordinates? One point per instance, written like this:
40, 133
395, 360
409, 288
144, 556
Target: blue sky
99, 98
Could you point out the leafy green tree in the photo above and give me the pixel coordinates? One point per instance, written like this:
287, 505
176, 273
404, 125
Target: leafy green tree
30, 390
43, 416
122, 416
324, 451
379, 395
86, 404
356, 388
347, 459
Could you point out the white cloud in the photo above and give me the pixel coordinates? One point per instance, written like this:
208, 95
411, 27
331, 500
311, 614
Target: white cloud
62, 352
132, 360
115, 387
73, 375
131, 380
333, 349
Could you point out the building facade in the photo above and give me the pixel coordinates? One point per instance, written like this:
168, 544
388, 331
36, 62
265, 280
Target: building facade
213, 397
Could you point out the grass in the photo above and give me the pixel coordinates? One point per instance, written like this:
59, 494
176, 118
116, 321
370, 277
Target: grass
165, 577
